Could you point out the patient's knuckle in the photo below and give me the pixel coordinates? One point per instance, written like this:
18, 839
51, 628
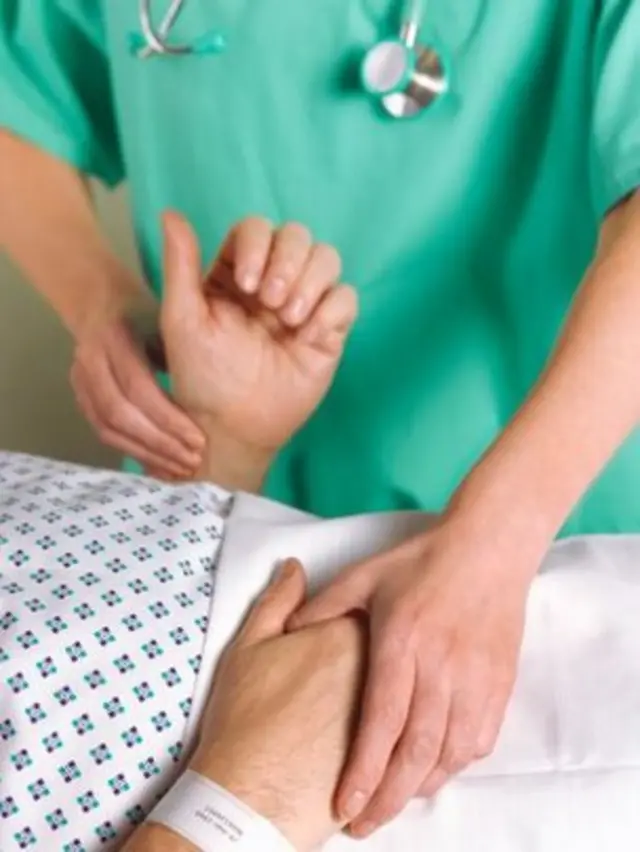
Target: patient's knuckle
297, 232
329, 257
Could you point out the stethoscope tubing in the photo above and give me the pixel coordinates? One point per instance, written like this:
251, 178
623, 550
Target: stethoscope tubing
414, 91
157, 39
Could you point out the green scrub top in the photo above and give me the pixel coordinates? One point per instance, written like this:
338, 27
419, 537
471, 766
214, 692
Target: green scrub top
466, 230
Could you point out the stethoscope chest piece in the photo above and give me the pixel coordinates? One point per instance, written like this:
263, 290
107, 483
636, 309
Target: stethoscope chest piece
404, 75
427, 84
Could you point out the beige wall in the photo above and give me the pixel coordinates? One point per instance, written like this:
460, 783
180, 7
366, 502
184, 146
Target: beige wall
37, 412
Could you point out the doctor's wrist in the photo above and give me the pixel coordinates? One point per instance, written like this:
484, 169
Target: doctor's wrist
114, 294
493, 509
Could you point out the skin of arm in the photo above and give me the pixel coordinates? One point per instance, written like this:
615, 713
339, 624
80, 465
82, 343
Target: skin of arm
46, 203
49, 228
237, 468
583, 408
229, 463
453, 599
274, 695
307, 702
245, 374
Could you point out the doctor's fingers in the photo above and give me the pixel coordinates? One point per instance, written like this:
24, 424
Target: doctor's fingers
320, 272
120, 420
155, 465
332, 319
461, 742
415, 754
386, 707
179, 436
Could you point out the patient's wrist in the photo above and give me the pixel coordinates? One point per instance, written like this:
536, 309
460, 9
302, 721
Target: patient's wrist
230, 463
157, 838
215, 819
236, 776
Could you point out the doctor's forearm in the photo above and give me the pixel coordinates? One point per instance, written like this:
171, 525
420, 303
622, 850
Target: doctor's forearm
48, 227
583, 408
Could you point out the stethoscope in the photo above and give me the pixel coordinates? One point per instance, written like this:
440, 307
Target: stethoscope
404, 75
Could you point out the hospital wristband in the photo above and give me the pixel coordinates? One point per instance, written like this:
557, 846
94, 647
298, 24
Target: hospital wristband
214, 820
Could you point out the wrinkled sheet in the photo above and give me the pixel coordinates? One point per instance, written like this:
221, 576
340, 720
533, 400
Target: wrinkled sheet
566, 771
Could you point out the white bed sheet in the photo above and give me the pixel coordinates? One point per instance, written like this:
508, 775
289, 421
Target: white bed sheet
566, 772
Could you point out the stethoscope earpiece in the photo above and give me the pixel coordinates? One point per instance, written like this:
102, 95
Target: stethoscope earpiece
153, 42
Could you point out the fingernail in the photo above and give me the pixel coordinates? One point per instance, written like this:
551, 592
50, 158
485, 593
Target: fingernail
353, 806
275, 290
294, 313
284, 570
364, 830
249, 282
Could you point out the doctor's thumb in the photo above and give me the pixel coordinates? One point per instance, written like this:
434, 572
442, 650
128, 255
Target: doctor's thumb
182, 266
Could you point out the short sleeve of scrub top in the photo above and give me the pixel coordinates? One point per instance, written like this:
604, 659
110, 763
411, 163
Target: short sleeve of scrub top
55, 89
616, 119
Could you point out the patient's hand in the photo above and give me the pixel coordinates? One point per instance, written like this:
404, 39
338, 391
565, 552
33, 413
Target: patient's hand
280, 718
253, 363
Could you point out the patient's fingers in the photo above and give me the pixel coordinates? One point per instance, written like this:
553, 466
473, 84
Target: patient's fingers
182, 271
332, 319
275, 606
289, 257
322, 271
248, 251
346, 594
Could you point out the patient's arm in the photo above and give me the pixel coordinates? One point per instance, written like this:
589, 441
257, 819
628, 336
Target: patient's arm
241, 369
279, 720
230, 464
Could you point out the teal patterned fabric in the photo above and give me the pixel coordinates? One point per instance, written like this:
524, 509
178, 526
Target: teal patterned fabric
105, 588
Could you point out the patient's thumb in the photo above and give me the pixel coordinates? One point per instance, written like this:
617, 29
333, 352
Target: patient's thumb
340, 598
276, 605
182, 267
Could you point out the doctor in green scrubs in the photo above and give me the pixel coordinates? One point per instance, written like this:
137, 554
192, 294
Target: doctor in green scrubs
494, 240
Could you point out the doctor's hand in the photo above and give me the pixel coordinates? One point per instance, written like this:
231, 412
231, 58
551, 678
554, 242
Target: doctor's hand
245, 363
446, 614
116, 391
